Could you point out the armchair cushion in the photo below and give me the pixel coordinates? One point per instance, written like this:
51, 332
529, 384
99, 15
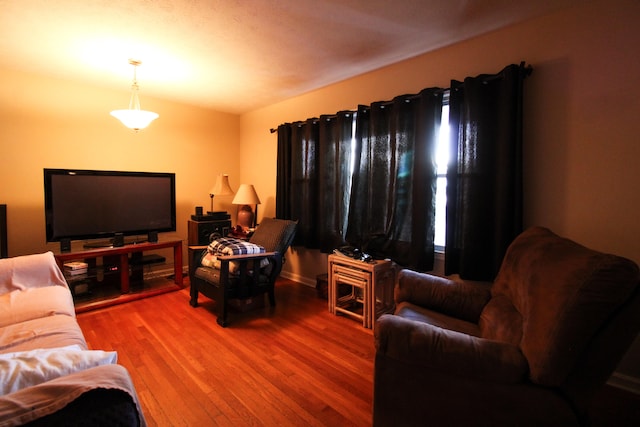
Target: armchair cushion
274, 235
558, 293
420, 314
464, 300
449, 352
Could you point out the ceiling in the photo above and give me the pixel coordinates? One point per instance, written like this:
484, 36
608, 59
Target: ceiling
238, 55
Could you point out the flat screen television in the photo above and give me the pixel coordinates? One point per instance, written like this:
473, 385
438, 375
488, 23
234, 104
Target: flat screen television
93, 204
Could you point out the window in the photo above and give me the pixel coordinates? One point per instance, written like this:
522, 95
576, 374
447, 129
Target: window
442, 159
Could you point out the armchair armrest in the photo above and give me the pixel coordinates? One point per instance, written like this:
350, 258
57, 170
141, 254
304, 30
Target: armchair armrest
246, 257
451, 352
195, 254
460, 299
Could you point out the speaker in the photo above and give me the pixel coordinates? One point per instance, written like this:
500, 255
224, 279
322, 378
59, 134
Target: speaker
199, 231
118, 240
65, 245
152, 236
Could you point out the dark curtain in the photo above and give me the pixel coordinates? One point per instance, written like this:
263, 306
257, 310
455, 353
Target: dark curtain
314, 176
334, 183
297, 178
484, 177
283, 173
392, 213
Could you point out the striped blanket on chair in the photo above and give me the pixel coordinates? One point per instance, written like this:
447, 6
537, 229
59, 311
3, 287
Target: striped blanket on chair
230, 246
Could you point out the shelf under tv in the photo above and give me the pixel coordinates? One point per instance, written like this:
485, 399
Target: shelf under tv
118, 283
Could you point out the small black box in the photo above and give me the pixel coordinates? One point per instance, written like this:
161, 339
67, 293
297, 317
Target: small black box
118, 240
65, 245
152, 236
198, 210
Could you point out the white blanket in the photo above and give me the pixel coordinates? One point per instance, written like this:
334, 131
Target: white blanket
30, 271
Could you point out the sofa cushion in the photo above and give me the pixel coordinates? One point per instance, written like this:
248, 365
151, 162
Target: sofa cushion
45, 332
30, 271
563, 291
27, 405
20, 370
32, 303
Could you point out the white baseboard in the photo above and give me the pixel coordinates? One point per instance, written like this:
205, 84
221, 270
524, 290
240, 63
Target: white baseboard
625, 382
153, 273
298, 278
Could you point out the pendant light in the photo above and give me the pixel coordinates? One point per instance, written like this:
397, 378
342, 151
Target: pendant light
134, 118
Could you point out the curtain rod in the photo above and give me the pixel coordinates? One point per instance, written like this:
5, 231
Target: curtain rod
315, 119
412, 96
528, 69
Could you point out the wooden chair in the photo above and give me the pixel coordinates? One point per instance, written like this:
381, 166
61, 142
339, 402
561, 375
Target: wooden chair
275, 235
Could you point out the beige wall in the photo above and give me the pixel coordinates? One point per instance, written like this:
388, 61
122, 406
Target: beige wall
54, 123
581, 122
581, 118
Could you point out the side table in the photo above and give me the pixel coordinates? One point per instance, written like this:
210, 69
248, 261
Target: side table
371, 288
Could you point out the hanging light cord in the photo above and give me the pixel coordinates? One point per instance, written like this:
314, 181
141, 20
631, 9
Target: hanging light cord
134, 102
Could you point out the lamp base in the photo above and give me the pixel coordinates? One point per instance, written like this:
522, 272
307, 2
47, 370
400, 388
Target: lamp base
245, 217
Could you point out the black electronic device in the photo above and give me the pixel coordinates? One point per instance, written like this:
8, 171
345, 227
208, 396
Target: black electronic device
93, 204
199, 231
118, 240
353, 252
65, 245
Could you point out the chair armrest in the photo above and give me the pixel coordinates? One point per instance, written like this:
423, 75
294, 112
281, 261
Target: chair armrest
246, 257
460, 299
451, 352
195, 254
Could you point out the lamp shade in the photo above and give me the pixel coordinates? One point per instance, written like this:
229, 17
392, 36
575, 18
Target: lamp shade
135, 119
246, 195
221, 187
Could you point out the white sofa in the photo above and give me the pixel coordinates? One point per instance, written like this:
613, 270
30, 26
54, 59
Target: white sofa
48, 376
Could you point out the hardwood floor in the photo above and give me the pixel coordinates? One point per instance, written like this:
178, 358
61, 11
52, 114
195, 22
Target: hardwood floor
293, 365
290, 366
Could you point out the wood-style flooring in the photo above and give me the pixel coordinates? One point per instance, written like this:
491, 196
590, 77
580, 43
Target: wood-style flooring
294, 365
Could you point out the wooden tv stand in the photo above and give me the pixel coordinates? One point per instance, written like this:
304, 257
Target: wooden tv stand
120, 257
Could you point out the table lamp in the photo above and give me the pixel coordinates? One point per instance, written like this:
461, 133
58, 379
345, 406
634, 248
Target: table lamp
246, 196
221, 188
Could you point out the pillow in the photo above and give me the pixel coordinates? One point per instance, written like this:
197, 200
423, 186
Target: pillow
28, 368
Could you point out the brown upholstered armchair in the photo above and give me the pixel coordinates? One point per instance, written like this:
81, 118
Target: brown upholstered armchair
221, 284
530, 349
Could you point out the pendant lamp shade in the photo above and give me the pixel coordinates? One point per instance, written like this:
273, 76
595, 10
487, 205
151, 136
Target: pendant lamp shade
134, 118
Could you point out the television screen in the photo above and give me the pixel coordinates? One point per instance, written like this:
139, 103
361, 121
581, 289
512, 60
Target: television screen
90, 204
